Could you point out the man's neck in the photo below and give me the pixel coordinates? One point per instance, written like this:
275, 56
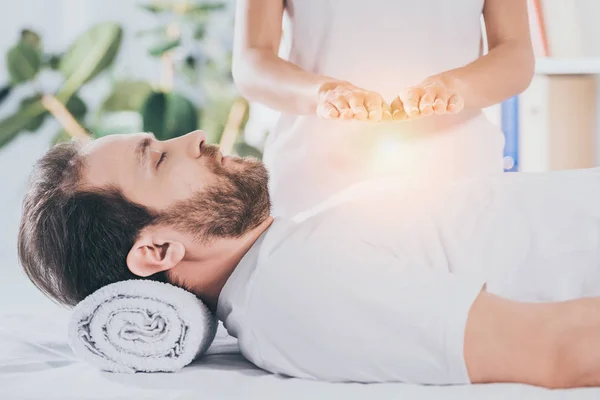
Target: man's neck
234, 251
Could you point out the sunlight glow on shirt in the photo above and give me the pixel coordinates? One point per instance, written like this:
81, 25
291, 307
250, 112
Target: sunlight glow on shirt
391, 156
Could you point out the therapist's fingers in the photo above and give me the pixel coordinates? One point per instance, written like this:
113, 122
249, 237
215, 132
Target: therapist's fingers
455, 104
327, 111
387, 112
397, 108
343, 100
331, 103
427, 100
374, 104
410, 100
440, 105
357, 105
341, 104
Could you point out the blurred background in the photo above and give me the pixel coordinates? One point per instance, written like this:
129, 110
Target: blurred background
75, 67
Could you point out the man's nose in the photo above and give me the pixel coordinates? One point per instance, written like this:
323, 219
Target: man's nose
197, 139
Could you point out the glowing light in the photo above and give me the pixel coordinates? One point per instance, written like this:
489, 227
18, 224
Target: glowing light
389, 155
393, 156
389, 148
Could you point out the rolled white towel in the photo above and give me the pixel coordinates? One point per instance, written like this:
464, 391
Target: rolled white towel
141, 326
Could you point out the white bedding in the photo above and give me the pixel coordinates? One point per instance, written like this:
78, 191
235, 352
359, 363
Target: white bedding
36, 363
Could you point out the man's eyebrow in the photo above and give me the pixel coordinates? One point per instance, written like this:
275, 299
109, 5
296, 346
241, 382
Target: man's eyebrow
141, 150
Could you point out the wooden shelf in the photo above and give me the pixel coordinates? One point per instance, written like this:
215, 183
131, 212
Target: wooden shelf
567, 66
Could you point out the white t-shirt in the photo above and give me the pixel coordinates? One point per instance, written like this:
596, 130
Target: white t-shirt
384, 46
378, 287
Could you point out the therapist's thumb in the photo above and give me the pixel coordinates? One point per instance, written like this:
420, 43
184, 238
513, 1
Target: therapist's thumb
374, 104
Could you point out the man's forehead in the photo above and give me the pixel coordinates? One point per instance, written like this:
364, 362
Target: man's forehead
109, 158
112, 142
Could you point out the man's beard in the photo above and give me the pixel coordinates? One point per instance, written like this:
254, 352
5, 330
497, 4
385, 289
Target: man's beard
237, 203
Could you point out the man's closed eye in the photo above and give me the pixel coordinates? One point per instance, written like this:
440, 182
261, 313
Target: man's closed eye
162, 158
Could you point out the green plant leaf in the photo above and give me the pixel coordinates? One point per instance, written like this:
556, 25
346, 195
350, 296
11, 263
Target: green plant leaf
23, 62
188, 74
169, 115
76, 107
243, 149
201, 13
127, 96
92, 53
190, 61
31, 38
36, 121
161, 48
52, 61
4, 92
155, 8
167, 7
11, 126
200, 31
158, 31
189, 68
203, 9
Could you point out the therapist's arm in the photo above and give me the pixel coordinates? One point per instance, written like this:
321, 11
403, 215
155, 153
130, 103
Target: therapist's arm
262, 76
554, 345
505, 71
508, 67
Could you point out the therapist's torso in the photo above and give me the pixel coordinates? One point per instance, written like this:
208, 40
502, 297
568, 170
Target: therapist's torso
383, 46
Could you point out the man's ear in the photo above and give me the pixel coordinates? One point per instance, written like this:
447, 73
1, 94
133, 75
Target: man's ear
152, 253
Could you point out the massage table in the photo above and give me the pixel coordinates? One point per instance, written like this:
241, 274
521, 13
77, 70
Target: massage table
37, 363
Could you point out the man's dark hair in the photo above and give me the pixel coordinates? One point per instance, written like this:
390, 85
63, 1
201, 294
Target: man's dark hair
73, 241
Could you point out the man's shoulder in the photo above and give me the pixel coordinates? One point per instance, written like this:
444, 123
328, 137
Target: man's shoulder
297, 246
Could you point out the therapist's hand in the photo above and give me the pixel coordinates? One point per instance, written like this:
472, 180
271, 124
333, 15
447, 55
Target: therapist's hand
432, 97
342, 100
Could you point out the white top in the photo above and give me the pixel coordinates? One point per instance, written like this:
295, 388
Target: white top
383, 46
378, 288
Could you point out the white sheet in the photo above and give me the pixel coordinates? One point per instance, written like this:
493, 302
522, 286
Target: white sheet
36, 363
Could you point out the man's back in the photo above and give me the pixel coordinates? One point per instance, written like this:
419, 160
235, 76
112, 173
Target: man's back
378, 286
